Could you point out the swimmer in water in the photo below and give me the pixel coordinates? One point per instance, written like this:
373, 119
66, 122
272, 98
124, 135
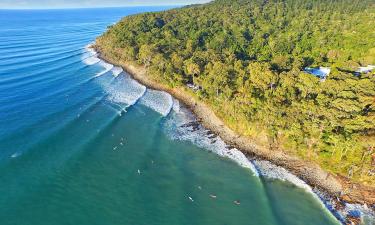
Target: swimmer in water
139, 172
199, 187
237, 202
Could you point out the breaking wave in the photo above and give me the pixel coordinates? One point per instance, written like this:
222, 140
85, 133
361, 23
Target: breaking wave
107, 67
90, 56
272, 171
91, 60
159, 101
182, 125
125, 90
117, 71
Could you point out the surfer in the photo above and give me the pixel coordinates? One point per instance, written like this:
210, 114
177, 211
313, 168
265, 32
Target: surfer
213, 196
191, 199
237, 202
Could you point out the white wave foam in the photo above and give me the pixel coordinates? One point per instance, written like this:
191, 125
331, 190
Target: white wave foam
116, 71
159, 101
272, 171
182, 125
126, 90
176, 105
267, 169
90, 56
91, 60
90, 49
362, 211
107, 68
15, 155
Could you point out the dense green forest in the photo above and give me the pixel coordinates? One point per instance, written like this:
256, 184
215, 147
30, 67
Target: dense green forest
247, 59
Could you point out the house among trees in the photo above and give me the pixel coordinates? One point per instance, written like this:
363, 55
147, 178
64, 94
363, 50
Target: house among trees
365, 69
321, 72
193, 87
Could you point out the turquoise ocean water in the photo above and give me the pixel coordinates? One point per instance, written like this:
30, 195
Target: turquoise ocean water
83, 143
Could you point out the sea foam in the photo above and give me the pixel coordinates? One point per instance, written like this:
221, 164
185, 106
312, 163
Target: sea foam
182, 125
272, 171
126, 90
107, 67
91, 60
159, 101
117, 71
90, 56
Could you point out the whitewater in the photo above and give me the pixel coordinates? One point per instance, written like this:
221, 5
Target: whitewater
81, 142
180, 124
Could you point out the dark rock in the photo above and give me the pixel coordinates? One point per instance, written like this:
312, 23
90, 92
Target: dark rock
354, 213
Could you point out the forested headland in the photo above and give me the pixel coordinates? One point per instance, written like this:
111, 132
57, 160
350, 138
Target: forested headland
245, 58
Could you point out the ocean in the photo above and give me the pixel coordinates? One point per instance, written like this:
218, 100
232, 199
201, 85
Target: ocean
83, 143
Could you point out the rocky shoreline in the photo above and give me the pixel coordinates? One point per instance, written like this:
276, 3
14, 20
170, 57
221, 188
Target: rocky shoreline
336, 192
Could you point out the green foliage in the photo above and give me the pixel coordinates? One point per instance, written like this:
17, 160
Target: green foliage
247, 57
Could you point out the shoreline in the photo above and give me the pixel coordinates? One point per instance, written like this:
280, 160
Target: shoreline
338, 189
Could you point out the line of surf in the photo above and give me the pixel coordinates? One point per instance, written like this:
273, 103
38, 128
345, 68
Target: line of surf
182, 125
129, 91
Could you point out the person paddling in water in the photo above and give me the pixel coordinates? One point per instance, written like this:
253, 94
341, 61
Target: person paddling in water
237, 202
213, 196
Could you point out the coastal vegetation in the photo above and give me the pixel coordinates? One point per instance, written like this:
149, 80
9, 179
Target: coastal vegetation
245, 58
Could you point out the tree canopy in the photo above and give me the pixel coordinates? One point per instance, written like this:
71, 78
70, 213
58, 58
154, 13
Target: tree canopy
247, 57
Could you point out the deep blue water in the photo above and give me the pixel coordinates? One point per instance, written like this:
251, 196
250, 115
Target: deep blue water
82, 143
